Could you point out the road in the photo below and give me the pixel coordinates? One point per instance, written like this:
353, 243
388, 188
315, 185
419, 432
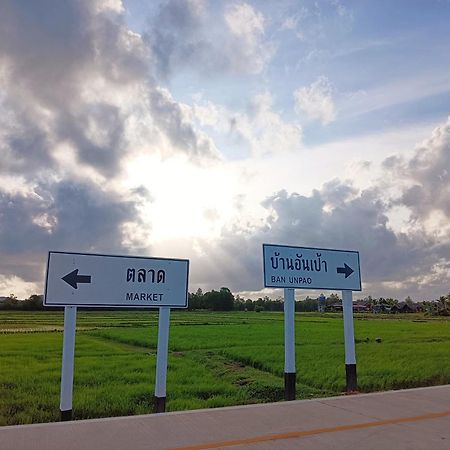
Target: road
401, 420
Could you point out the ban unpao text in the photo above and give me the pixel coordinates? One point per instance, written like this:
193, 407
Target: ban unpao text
297, 264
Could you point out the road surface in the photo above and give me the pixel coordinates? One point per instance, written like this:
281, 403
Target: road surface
400, 420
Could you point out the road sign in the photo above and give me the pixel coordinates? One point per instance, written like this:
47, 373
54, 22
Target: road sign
115, 281
311, 268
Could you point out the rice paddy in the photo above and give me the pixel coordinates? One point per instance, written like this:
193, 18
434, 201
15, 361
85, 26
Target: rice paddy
215, 359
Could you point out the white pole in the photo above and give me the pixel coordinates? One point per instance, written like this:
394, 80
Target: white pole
289, 344
70, 319
349, 341
161, 359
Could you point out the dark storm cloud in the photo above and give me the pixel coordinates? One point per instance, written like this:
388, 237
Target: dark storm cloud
25, 147
61, 216
51, 55
109, 120
62, 65
358, 221
76, 99
50, 52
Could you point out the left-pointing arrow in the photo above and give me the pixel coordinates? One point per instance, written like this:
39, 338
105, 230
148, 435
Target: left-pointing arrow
73, 278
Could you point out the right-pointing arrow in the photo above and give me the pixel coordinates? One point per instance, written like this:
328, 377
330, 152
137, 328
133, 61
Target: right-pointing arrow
346, 269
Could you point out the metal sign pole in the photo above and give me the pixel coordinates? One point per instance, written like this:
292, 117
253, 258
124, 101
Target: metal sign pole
349, 338
289, 344
161, 359
70, 318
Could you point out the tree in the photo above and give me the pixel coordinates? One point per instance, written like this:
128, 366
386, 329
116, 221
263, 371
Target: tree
249, 305
222, 300
443, 305
307, 305
196, 301
239, 303
226, 299
34, 303
11, 302
392, 301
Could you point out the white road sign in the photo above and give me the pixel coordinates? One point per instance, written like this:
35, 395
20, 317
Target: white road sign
115, 281
311, 268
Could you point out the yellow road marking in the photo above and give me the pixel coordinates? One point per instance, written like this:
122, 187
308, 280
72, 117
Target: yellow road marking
300, 434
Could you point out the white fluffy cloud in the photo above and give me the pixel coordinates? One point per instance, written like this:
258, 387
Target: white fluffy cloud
190, 34
247, 26
316, 101
427, 176
318, 23
260, 128
394, 262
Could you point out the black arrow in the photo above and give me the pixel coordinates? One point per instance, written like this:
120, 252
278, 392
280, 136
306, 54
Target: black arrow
347, 270
73, 278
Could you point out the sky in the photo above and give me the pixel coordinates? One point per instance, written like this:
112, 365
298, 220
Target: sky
202, 129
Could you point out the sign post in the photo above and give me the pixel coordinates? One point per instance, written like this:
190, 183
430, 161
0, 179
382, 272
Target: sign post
70, 318
289, 344
349, 341
161, 359
313, 268
91, 280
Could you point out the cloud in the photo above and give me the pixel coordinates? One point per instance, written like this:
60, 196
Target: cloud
316, 23
247, 27
17, 286
81, 102
181, 36
50, 62
260, 128
316, 101
76, 91
337, 216
395, 260
427, 174
77, 104
175, 121
62, 216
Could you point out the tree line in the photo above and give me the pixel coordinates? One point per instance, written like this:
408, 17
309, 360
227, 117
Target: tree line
224, 300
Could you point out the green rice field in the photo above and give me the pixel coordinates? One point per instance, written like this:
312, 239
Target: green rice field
215, 359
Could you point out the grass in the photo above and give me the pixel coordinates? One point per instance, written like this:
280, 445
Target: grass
215, 359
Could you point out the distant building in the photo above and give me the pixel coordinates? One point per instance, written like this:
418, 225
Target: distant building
360, 307
404, 307
382, 308
357, 307
321, 301
335, 307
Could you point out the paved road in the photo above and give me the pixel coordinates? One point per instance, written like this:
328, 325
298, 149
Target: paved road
400, 420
